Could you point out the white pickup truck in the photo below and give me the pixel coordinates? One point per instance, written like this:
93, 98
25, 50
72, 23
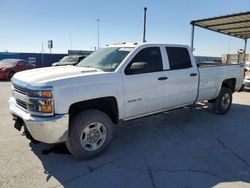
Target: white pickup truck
79, 104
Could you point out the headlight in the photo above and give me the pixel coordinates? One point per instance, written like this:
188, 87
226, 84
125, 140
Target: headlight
42, 93
40, 105
40, 102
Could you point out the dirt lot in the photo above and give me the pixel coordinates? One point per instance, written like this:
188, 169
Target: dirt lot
181, 148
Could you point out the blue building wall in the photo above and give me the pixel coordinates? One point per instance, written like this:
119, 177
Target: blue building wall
45, 60
41, 60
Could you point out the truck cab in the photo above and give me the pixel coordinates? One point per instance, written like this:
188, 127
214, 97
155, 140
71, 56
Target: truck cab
165, 80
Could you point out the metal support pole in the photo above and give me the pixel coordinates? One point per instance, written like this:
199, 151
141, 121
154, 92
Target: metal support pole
245, 49
144, 28
192, 38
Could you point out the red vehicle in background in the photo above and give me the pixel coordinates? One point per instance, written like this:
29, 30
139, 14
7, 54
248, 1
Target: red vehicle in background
8, 67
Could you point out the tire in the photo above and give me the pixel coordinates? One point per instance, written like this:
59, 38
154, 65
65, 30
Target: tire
223, 102
90, 134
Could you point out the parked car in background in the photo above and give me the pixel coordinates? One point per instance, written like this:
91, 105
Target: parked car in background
69, 60
247, 80
247, 66
8, 67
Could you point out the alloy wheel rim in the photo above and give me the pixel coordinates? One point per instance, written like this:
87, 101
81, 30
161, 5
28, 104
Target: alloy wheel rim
93, 136
226, 100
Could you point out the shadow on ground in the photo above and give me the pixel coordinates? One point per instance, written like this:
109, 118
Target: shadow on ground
182, 148
4, 80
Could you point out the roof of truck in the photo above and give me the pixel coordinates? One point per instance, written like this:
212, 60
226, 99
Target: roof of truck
133, 45
236, 25
123, 44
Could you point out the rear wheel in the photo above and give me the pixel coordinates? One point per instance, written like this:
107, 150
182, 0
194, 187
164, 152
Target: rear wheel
222, 103
90, 134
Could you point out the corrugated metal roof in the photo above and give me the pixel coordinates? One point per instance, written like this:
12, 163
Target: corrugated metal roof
236, 25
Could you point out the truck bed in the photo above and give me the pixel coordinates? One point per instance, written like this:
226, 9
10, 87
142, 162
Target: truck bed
212, 75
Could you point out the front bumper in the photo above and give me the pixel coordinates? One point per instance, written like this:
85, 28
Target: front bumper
45, 129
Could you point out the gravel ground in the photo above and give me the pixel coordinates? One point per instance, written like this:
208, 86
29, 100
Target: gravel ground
182, 148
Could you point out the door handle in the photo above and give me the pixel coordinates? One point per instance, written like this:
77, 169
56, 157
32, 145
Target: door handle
162, 78
193, 74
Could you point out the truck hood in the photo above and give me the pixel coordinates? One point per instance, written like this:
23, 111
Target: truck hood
43, 75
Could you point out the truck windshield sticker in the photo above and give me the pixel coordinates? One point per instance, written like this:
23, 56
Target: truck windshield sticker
126, 49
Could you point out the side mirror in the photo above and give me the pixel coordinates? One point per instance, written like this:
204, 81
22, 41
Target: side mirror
137, 68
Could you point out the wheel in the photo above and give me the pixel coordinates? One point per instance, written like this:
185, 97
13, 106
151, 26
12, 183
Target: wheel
11, 74
90, 134
223, 102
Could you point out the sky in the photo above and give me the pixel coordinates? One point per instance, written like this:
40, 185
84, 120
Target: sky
72, 24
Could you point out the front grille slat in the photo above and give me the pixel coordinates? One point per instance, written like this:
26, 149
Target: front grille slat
20, 89
20, 101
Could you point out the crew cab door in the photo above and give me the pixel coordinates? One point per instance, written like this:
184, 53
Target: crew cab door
144, 83
182, 84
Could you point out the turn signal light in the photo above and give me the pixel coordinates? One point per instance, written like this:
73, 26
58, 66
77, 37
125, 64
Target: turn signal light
46, 108
47, 93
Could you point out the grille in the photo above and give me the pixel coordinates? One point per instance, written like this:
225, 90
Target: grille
21, 103
23, 91
20, 89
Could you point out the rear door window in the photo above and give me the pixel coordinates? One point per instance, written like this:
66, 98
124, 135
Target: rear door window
178, 58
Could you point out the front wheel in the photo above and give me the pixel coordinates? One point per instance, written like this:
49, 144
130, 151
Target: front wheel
223, 102
90, 134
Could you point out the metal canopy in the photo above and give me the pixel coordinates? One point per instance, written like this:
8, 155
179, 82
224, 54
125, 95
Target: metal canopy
236, 25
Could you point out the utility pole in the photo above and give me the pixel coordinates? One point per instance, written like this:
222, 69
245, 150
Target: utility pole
144, 28
70, 40
98, 36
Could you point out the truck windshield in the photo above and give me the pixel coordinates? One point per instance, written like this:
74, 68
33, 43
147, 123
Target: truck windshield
106, 59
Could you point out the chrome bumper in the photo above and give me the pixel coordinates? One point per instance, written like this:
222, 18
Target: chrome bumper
45, 129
